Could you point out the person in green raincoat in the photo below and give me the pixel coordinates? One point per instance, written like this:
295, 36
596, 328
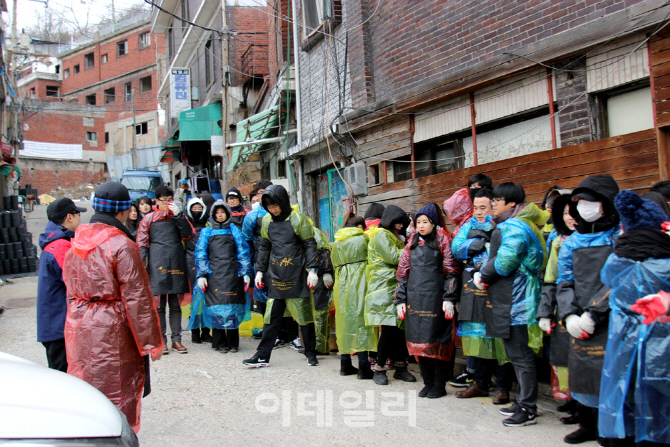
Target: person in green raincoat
349, 256
384, 252
322, 293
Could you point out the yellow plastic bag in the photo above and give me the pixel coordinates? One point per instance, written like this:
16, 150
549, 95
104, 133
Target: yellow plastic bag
255, 324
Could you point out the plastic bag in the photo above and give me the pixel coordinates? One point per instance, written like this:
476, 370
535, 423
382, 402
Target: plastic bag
252, 326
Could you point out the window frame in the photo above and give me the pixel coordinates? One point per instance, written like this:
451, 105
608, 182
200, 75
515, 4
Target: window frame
142, 128
104, 59
125, 48
76, 68
142, 82
89, 57
128, 91
66, 73
184, 14
209, 64
87, 97
106, 137
143, 45
108, 95
47, 95
93, 136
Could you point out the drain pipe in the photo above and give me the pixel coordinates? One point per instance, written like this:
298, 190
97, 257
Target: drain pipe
296, 70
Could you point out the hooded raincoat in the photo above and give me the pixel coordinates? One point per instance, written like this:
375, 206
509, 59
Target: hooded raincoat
321, 295
458, 208
383, 256
350, 257
160, 240
222, 256
111, 320
516, 256
580, 289
286, 250
199, 222
426, 278
251, 229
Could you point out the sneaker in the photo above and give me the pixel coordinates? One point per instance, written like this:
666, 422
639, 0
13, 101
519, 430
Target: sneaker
462, 381
256, 362
295, 344
580, 436
521, 418
312, 361
278, 344
511, 410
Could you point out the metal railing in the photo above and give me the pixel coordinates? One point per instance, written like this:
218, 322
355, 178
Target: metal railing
103, 31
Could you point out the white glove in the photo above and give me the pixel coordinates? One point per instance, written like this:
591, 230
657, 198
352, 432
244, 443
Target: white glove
312, 279
202, 283
259, 280
328, 280
448, 308
247, 280
401, 308
572, 324
545, 325
586, 322
174, 208
477, 280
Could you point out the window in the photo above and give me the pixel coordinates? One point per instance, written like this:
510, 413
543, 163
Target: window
66, 73
76, 69
121, 48
373, 175
52, 91
32, 92
314, 13
110, 95
629, 112
90, 99
184, 13
58, 69
170, 43
92, 136
89, 60
106, 137
209, 63
281, 169
103, 59
145, 40
442, 154
128, 88
145, 84
142, 129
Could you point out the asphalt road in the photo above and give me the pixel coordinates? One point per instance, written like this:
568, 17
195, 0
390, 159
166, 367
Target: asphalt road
204, 398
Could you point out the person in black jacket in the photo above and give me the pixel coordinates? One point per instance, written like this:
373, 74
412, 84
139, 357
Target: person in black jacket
134, 219
286, 252
234, 200
197, 213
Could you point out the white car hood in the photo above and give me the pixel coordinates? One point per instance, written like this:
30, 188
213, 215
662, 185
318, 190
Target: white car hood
38, 402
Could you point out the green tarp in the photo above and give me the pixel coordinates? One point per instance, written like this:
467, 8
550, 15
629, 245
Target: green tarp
200, 124
260, 126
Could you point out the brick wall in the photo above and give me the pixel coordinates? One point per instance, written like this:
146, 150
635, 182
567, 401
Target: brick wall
251, 23
49, 175
40, 86
280, 36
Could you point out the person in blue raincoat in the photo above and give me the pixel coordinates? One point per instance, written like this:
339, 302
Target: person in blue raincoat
583, 299
635, 388
251, 229
223, 269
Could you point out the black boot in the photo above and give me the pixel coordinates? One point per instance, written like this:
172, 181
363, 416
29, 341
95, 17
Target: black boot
346, 368
568, 407
205, 335
380, 378
588, 426
401, 373
428, 376
364, 371
441, 376
195, 337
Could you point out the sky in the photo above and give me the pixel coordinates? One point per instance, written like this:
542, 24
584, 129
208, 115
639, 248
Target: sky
28, 9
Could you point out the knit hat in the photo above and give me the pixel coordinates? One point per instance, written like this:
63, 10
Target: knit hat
637, 212
430, 211
111, 197
234, 192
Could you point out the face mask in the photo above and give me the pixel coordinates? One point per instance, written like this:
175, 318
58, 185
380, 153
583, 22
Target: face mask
590, 211
255, 205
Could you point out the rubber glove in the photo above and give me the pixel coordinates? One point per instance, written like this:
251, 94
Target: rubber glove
202, 283
586, 322
652, 306
545, 325
477, 280
402, 309
157, 355
328, 280
247, 280
448, 308
312, 279
174, 208
259, 280
573, 327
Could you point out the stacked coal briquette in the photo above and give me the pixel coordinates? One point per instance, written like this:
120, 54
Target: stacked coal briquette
17, 252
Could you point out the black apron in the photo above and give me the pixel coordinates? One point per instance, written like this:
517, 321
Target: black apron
320, 293
257, 239
559, 345
472, 306
238, 219
287, 274
499, 297
425, 288
223, 285
167, 259
586, 358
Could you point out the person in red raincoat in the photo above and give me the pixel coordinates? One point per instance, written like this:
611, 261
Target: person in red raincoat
111, 322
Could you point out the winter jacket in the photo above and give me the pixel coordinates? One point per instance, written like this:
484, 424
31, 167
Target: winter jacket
160, 240
320, 293
238, 215
222, 256
636, 358
198, 222
251, 229
426, 278
350, 256
51, 291
110, 308
517, 254
459, 208
580, 289
287, 249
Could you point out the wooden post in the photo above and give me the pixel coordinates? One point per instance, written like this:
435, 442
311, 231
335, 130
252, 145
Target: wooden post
651, 82
411, 136
662, 137
386, 174
473, 114
550, 92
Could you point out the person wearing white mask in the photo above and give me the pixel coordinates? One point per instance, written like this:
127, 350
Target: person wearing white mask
583, 300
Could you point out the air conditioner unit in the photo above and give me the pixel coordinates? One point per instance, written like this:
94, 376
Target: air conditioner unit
357, 178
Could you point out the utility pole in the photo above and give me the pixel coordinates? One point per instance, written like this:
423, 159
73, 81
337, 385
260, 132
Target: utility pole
224, 110
134, 149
